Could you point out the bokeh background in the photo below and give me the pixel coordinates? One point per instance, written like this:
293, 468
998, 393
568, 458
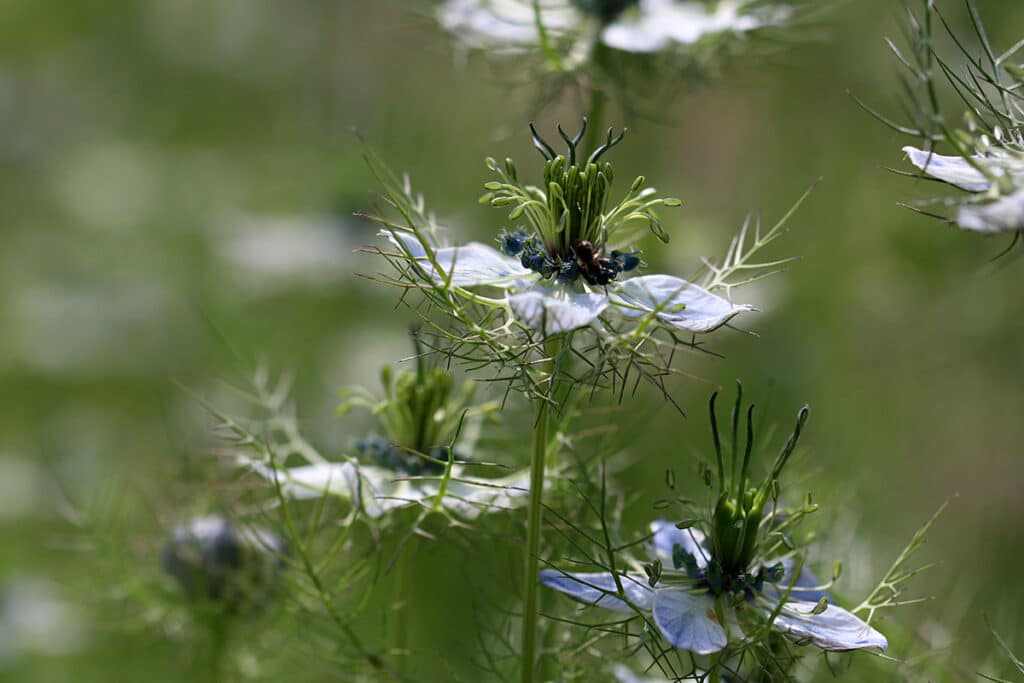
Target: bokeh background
177, 184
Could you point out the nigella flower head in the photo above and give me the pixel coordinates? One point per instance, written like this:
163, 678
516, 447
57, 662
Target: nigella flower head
719, 581
221, 565
565, 266
983, 160
428, 428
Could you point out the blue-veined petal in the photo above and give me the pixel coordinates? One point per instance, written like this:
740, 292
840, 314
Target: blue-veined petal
557, 309
599, 589
667, 536
1003, 215
680, 304
688, 621
470, 265
953, 170
833, 629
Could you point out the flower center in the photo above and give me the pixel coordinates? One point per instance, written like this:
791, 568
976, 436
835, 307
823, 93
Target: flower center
736, 535
569, 244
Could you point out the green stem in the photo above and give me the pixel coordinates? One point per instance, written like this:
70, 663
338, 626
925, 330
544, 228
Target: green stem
715, 673
400, 635
218, 628
535, 512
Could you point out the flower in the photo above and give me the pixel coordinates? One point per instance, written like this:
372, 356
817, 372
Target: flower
742, 572
379, 490
572, 265
995, 181
987, 159
640, 26
684, 608
660, 24
413, 463
217, 563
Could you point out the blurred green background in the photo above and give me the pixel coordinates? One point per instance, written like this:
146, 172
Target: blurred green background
177, 173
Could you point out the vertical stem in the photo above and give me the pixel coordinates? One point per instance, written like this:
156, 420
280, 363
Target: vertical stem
218, 631
715, 674
535, 512
400, 633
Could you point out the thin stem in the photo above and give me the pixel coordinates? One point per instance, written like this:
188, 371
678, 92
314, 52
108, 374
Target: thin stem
535, 511
400, 635
218, 646
715, 674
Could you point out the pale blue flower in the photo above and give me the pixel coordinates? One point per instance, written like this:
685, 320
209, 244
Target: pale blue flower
995, 181
377, 490
553, 307
640, 26
686, 612
656, 25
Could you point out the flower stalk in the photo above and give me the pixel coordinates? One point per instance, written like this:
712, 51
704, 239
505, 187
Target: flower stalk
535, 512
400, 635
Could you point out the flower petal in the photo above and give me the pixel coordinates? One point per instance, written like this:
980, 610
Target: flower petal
953, 170
470, 265
1003, 215
667, 536
599, 589
502, 24
679, 303
658, 23
376, 489
557, 309
470, 498
833, 629
688, 621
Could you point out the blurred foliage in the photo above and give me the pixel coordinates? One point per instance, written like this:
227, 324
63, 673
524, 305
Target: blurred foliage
177, 182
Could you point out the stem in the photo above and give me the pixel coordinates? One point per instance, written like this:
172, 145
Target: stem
715, 675
218, 628
535, 512
400, 635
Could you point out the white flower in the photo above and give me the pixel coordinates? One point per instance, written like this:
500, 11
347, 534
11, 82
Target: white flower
553, 307
378, 490
1003, 215
643, 26
503, 24
684, 610
987, 210
658, 24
